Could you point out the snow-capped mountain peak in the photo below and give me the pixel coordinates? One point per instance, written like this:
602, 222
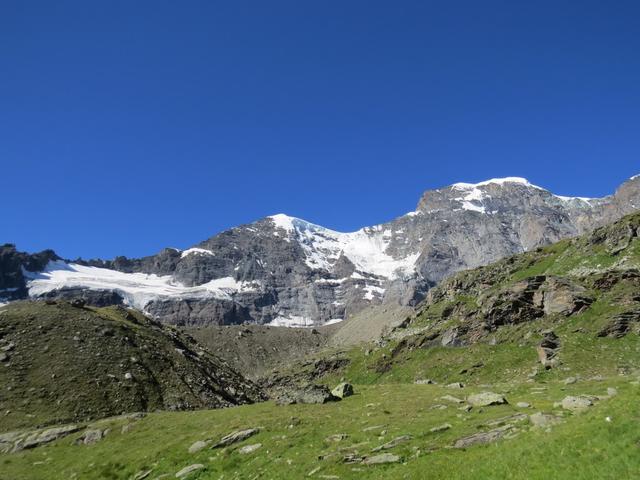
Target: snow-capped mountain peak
288, 271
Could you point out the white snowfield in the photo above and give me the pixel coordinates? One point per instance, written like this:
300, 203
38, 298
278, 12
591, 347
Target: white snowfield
365, 248
196, 251
136, 289
299, 322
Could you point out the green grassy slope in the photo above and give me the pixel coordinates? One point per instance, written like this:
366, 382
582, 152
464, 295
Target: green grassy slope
294, 439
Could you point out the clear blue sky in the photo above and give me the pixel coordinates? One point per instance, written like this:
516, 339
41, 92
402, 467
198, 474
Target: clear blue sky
128, 126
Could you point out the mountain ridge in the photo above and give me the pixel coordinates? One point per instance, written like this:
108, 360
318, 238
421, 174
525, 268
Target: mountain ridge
282, 270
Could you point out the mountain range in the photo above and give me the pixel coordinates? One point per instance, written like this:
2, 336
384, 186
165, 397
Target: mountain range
285, 271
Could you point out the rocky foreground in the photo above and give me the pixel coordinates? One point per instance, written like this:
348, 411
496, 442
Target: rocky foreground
63, 362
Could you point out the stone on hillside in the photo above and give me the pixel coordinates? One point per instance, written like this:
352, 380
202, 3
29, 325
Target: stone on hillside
90, 437
249, 448
78, 303
561, 296
312, 394
45, 436
189, 470
486, 399
570, 380
393, 443
523, 405
236, 437
197, 446
381, 459
620, 324
373, 427
4, 357
336, 437
455, 385
612, 392
343, 390
576, 404
482, 438
440, 428
424, 381
543, 420
451, 398
450, 338
142, 474
548, 349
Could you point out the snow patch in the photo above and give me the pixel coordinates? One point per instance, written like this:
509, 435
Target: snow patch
334, 321
292, 321
196, 251
365, 248
370, 290
571, 199
496, 181
136, 289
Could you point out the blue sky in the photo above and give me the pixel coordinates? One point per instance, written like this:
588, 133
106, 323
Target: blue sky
128, 126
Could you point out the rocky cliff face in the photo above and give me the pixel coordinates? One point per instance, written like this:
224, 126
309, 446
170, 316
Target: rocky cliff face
286, 271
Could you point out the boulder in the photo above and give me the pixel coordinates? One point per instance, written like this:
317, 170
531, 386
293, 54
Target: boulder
197, 446
424, 381
189, 470
249, 448
235, 437
482, 438
393, 443
440, 428
455, 385
381, 459
343, 390
543, 420
450, 398
312, 394
336, 437
486, 399
90, 437
45, 436
576, 404
548, 349
620, 324
450, 338
564, 297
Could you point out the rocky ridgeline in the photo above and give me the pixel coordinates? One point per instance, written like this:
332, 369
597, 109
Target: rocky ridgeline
291, 272
472, 305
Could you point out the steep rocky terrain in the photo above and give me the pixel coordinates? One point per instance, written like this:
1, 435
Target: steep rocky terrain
60, 362
548, 309
525, 369
286, 271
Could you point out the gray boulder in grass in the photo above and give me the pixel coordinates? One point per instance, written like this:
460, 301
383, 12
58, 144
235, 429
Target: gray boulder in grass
486, 399
343, 390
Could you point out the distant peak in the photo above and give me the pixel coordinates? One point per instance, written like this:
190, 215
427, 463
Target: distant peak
290, 223
635, 177
496, 181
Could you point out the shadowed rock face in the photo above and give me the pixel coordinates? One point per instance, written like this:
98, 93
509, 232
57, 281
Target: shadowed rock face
291, 272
